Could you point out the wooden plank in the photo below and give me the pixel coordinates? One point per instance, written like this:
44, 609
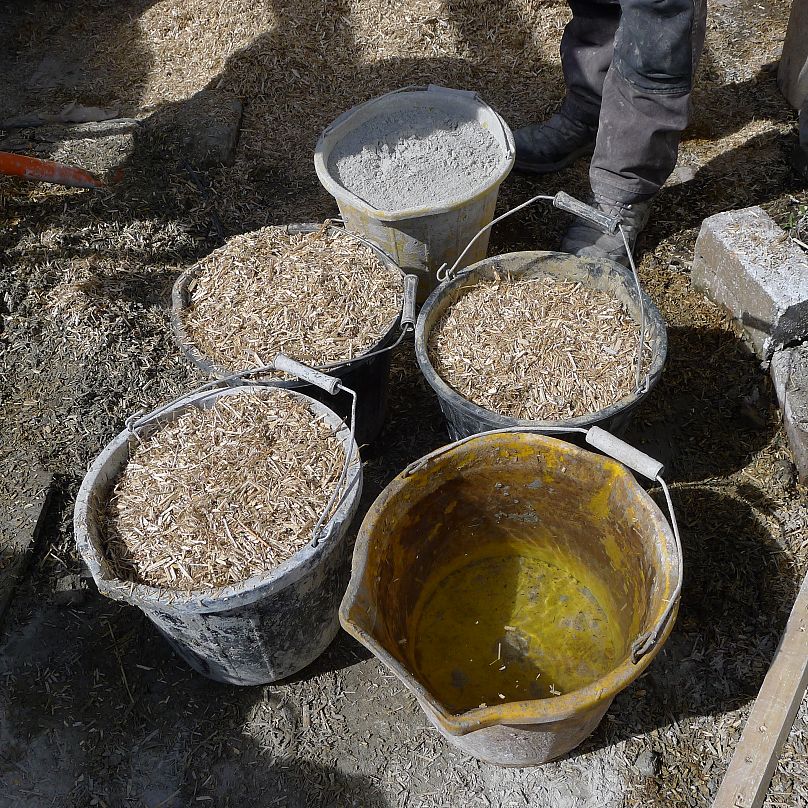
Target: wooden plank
792, 75
23, 504
755, 758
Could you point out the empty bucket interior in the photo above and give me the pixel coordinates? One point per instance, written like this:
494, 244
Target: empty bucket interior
517, 568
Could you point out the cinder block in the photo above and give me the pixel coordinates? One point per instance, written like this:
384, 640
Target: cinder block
792, 75
789, 370
746, 263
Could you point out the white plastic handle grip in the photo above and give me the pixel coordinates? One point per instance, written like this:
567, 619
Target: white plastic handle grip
621, 451
563, 201
408, 312
308, 374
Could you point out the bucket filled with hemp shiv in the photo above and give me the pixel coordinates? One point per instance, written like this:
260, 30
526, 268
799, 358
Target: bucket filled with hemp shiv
223, 516
540, 339
313, 292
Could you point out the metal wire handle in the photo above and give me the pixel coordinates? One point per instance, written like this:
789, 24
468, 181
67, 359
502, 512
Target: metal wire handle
137, 421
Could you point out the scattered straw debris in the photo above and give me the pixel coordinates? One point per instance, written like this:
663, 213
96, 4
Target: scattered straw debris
319, 297
222, 494
537, 348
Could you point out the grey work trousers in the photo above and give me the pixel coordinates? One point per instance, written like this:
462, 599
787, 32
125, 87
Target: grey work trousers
629, 66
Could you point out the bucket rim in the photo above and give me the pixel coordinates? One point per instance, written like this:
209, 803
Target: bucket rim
241, 593
458, 401
180, 303
323, 150
532, 711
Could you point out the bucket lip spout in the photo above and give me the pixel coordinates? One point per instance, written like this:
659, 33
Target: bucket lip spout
536, 711
237, 594
180, 303
466, 277
432, 93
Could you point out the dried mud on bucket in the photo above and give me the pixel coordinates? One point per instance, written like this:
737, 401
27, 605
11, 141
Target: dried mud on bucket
538, 348
221, 494
320, 297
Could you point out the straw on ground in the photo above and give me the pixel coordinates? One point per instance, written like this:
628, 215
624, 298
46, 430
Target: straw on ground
319, 297
221, 494
538, 348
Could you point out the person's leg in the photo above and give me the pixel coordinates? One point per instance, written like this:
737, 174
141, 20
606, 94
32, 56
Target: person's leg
587, 47
646, 97
644, 109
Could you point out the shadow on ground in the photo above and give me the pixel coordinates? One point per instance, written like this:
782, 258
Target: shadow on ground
737, 595
712, 410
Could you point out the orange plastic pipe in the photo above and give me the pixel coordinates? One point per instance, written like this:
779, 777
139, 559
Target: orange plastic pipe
32, 168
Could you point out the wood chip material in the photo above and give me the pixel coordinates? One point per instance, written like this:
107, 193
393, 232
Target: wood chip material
318, 297
222, 494
541, 349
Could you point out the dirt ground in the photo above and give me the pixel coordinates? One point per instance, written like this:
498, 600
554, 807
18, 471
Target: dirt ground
95, 709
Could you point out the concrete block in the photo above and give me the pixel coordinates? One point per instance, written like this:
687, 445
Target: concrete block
24, 499
204, 128
789, 370
792, 75
746, 263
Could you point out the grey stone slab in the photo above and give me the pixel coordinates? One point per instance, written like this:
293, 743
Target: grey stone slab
746, 263
22, 509
789, 371
204, 128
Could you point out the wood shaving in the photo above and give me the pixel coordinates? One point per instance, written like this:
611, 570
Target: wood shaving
221, 494
318, 297
538, 348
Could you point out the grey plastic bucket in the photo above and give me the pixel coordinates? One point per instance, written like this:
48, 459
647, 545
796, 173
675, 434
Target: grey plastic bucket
265, 628
463, 417
368, 375
420, 240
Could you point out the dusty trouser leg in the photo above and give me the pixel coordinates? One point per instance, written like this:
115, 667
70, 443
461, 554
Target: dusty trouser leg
587, 48
646, 97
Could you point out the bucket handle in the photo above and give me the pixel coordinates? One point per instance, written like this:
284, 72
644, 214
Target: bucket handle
330, 384
608, 224
634, 459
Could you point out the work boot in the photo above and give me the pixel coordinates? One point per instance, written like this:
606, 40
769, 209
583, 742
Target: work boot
550, 146
586, 240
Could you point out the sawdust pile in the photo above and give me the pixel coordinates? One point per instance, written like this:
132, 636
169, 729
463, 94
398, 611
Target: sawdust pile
318, 297
222, 494
537, 348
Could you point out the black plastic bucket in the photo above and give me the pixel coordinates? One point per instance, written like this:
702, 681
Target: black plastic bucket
463, 417
367, 375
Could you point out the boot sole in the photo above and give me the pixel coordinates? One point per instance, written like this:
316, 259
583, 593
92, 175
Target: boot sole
528, 167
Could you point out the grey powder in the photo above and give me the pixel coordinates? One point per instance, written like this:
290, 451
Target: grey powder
416, 158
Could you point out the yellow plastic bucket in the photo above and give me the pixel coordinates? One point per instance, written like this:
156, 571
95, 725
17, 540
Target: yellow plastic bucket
515, 583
